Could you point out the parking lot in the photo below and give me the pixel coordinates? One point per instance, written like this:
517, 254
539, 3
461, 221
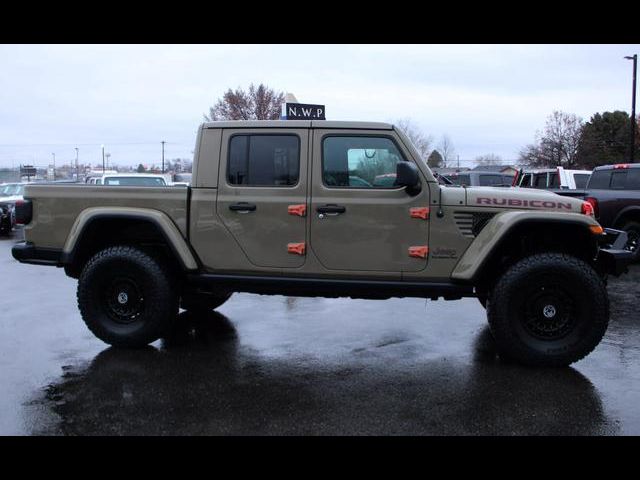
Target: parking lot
283, 365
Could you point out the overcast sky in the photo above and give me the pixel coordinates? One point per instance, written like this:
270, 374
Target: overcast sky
488, 99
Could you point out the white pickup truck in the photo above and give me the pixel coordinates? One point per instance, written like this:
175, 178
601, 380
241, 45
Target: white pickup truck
553, 178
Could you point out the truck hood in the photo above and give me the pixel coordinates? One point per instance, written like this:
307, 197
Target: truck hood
521, 199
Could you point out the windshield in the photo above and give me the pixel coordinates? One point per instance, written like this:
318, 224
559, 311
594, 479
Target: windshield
135, 181
11, 190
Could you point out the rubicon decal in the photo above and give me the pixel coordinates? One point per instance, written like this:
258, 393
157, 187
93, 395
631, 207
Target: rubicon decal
515, 202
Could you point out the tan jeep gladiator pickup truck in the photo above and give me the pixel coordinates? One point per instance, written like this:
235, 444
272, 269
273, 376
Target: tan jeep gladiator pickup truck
324, 208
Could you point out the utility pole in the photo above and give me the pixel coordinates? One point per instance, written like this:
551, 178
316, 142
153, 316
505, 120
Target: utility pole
633, 106
163, 142
77, 169
54, 165
103, 169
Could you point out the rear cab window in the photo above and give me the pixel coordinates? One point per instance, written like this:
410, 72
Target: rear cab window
600, 180
633, 179
581, 180
618, 179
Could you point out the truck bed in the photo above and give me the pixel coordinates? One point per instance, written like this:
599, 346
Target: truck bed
62, 203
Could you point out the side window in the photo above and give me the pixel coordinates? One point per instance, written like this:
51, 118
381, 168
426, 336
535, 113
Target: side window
507, 180
581, 180
359, 162
618, 180
464, 179
540, 180
490, 180
554, 180
633, 179
526, 180
264, 160
599, 180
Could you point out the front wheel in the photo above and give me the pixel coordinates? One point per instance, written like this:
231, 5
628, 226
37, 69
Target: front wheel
126, 298
548, 310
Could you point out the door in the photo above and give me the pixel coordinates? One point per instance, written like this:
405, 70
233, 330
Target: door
262, 193
361, 221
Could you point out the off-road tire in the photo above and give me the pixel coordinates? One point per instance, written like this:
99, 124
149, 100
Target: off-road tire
633, 231
204, 303
548, 309
126, 297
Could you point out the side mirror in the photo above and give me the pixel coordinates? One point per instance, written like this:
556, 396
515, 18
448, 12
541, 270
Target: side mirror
407, 176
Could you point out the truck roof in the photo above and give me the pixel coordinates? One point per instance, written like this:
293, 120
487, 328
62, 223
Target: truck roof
617, 166
297, 124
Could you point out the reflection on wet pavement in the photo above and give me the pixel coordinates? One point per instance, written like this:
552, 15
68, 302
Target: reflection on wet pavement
204, 381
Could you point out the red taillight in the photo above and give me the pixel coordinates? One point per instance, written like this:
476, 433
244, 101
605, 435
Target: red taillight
24, 211
590, 206
620, 165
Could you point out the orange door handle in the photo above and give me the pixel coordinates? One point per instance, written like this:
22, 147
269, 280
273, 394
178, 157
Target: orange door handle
297, 248
419, 212
418, 251
300, 210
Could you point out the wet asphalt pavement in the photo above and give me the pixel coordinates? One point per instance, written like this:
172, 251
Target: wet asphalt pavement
282, 365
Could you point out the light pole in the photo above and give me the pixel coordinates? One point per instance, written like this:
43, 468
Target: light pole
54, 165
633, 106
77, 170
103, 169
163, 142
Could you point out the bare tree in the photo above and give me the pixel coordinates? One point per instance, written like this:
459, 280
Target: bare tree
488, 160
435, 159
420, 140
446, 149
258, 103
557, 144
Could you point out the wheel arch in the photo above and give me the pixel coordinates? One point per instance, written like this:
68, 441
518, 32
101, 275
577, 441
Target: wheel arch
511, 235
99, 227
628, 213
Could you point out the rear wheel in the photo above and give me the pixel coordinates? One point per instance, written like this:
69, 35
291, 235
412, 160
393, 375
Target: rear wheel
126, 298
548, 310
633, 233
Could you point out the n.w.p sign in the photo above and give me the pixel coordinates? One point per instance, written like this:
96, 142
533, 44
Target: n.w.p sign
302, 111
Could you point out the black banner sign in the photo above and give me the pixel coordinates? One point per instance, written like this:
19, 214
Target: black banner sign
303, 111
28, 170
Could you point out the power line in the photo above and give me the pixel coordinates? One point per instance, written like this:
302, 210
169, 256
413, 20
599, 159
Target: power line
84, 144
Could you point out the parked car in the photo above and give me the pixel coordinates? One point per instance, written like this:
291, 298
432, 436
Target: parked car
553, 179
614, 193
135, 180
476, 178
272, 211
7, 218
10, 193
182, 179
